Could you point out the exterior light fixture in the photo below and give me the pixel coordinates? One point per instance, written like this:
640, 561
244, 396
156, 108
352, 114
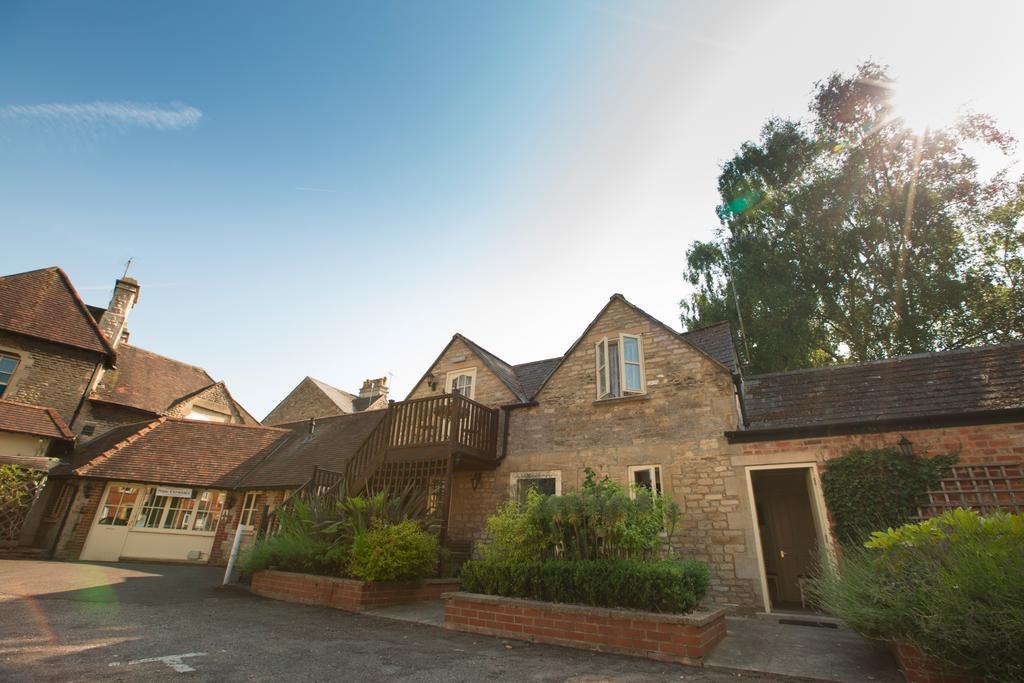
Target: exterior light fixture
431, 381
906, 447
475, 481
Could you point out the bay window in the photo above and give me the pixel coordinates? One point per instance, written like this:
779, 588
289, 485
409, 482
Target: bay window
620, 366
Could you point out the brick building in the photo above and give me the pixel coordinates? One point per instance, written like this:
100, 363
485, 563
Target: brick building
634, 400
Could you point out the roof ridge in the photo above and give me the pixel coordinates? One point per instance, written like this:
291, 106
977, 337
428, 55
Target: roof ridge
223, 424
516, 389
59, 423
180, 362
85, 310
331, 386
325, 418
708, 327
891, 360
123, 443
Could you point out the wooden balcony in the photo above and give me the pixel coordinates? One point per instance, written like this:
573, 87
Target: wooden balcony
426, 428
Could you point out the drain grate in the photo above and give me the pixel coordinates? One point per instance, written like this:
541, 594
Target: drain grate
808, 622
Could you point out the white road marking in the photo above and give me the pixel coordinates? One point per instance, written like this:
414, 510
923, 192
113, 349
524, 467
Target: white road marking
173, 661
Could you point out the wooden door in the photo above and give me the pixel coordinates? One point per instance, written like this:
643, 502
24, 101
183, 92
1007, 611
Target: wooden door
788, 533
110, 528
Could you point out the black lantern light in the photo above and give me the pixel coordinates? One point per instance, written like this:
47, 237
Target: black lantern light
906, 447
431, 381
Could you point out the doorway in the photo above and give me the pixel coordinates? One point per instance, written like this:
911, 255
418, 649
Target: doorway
789, 531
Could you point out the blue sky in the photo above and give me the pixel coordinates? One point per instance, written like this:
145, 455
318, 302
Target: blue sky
333, 189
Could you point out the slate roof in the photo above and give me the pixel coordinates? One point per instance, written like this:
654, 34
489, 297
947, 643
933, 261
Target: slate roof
35, 420
716, 341
505, 372
333, 442
148, 381
177, 451
532, 375
44, 304
964, 381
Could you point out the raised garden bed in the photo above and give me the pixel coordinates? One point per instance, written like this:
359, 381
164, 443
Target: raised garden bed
351, 595
684, 638
917, 667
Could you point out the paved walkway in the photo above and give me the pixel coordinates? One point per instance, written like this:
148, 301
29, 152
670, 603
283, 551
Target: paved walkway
91, 621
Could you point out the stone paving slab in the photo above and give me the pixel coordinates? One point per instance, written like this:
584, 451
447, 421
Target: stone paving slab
802, 652
430, 612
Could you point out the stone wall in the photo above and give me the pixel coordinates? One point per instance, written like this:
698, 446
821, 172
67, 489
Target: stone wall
490, 390
105, 416
678, 424
79, 520
48, 374
214, 398
266, 503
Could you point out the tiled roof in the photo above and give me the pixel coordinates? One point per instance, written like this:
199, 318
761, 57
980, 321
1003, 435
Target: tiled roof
532, 375
340, 398
34, 420
176, 451
44, 304
716, 341
149, 381
924, 385
333, 441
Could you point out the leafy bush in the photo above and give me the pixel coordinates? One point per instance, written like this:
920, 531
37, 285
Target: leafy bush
320, 535
599, 521
393, 552
666, 586
952, 586
867, 490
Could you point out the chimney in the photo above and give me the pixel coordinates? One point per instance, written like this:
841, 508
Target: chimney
114, 320
374, 387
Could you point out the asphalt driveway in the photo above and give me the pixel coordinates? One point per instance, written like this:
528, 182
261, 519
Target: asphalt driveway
124, 622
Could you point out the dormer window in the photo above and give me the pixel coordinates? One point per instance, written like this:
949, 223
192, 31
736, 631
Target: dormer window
620, 366
462, 382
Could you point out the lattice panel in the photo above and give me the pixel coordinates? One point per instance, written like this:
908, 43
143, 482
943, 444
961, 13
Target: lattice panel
988, 487
396, 476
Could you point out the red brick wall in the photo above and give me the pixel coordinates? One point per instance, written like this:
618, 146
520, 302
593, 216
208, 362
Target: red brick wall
918, 667
80, 520
668, 637
975, 443
346, 594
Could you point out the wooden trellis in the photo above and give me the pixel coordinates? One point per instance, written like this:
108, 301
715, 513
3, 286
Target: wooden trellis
988, 487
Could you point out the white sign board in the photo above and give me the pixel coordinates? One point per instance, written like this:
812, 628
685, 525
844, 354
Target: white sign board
173, 492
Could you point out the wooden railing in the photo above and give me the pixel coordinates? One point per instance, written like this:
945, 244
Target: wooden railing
451, 421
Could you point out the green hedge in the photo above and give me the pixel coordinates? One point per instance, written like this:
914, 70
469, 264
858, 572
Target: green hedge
394, 552
667, 586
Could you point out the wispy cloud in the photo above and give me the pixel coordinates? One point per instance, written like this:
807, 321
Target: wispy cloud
301, 188
175, 116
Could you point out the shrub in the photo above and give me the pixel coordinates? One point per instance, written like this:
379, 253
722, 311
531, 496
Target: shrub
599, 521
666, 586
393, 552
293, 552
867, 490
950, 586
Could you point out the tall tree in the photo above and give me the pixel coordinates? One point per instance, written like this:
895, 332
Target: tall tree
850, 236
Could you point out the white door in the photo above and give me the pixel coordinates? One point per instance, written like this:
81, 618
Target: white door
110, 528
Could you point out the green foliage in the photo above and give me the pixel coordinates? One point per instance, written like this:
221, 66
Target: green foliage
324, 534
394, 552
599, 521
18, 486
815, 252
666, 586
950, 585
868, 490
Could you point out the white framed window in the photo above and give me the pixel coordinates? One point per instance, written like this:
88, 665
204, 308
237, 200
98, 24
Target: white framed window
118, 507
8, 364
462, 382
207, 415
548, 483
620, 366
644, 476
199, 513
249, 509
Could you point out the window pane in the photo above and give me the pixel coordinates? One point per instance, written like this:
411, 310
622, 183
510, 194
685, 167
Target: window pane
613, 367
152, 510
118, 507
643, 478
208, 511
633, 379
631, 350
7, 364
542, 485
179, 513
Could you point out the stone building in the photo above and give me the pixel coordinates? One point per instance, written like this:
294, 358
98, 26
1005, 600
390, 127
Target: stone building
68, 375
632, 399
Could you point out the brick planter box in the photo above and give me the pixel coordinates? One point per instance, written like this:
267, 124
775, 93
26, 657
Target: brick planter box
684, 638
917, 667
350, 595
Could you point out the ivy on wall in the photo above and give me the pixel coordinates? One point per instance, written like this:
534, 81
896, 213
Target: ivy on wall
873, 490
